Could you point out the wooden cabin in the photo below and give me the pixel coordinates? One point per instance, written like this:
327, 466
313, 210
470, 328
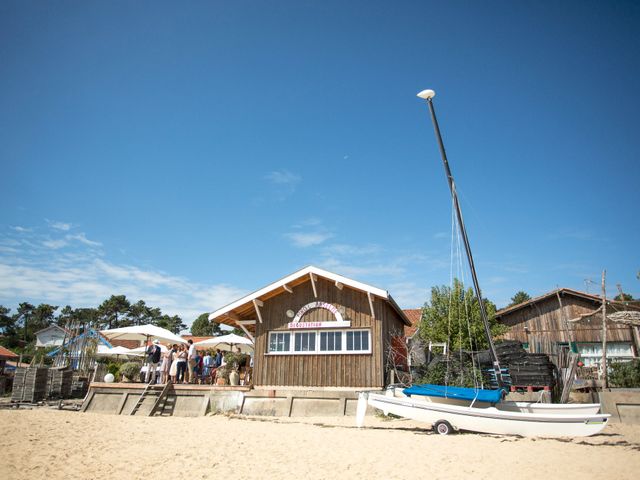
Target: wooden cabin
318, 329
51, 336
549, 322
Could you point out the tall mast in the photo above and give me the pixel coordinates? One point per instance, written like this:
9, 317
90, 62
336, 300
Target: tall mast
428, 96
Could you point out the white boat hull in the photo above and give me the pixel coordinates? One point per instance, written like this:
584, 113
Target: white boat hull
550, 408
486, 420
524, 407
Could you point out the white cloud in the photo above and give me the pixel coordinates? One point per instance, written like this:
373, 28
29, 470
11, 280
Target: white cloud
20, 229
284, 183
82, 238
409, 294
65, 227
309, 239
55, 244
79, 276
309, 222
283, 177
362, 271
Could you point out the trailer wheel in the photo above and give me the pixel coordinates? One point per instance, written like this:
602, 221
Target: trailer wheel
442, 427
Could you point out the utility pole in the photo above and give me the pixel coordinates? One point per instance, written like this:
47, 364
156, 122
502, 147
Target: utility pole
621, 293
604, 332
635, 331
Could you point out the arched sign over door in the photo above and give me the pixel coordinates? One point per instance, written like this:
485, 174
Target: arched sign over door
338, 323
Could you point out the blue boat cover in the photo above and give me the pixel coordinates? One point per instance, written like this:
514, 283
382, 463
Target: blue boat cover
461, 393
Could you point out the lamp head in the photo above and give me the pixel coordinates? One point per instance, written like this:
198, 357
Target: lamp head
427, 94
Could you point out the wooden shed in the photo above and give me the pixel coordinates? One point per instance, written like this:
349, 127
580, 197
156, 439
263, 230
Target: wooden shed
315, 328
553, 320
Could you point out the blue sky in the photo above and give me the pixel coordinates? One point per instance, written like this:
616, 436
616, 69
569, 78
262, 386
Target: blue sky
187, 153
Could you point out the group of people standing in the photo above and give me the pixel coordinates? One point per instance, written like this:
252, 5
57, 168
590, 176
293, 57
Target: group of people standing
181, 363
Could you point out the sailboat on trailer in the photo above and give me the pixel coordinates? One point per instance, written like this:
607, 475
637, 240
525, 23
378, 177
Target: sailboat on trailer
475, 409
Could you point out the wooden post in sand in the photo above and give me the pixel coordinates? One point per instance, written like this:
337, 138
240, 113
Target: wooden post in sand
604, 332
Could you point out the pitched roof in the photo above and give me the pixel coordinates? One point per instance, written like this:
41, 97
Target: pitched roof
282, 285
562, 291
52, 326
5, 353
414, 315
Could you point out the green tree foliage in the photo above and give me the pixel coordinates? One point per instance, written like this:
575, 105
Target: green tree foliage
66, 316
113, 311
454, 371
29, 319
519, 297
172, 323
625, 374
9, 328
18, 330
43, 316
141, 314
624, 297
202, 327
87, 315
23, 317
72, 318
238, 331
453, 316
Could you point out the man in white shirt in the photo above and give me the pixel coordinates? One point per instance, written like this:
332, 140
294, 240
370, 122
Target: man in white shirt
191, 362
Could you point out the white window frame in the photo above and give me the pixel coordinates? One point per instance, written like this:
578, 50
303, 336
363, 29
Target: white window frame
279, 333
354, 332
312, 348
317, 351
595, 358
342, 336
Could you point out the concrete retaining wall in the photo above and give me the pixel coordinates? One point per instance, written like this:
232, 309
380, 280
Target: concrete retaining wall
194, 400
622, 403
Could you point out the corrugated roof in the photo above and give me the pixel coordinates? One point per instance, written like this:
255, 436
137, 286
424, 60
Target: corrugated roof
414, 315
7, 354
562, 291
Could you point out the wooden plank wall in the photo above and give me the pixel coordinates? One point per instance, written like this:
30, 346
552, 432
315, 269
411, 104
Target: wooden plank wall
353, 370
544, 321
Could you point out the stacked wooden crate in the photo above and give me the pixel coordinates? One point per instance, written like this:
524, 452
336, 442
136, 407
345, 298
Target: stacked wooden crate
59, 383
79, 386
29, 384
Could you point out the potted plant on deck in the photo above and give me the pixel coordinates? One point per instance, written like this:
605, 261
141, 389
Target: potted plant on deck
222, 375
130, 371
235, 361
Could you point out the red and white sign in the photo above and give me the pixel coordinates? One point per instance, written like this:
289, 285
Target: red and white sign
339, 322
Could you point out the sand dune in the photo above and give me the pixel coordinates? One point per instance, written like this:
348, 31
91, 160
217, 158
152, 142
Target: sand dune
55, 444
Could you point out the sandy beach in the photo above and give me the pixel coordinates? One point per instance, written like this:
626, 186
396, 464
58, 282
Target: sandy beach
53, 444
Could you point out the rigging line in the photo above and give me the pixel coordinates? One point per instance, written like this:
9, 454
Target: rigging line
451, 266
467, 316
458, 312
477, 218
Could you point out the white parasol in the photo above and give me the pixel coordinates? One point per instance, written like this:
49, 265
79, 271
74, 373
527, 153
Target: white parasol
143, 350
104, 351
230, 341
142, 332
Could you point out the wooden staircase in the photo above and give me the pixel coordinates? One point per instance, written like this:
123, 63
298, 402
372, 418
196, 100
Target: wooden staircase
159, 391
165, 405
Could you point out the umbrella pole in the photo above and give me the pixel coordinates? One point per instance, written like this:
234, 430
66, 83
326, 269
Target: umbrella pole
146, 346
